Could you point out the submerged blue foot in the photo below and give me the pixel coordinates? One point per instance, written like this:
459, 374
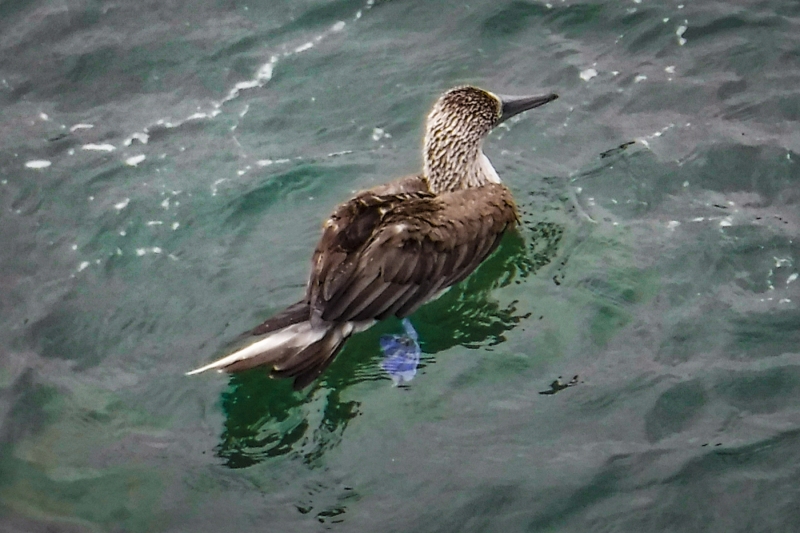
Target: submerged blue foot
401, 354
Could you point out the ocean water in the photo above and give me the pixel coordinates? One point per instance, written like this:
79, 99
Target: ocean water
628, 361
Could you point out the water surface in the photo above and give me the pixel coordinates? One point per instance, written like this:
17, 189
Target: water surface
164, 171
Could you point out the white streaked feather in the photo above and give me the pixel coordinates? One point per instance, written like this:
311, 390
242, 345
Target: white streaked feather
301, 334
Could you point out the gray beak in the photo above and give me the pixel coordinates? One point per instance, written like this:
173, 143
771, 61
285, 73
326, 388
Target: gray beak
514, 105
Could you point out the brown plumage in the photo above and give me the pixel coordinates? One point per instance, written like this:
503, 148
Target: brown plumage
390, 249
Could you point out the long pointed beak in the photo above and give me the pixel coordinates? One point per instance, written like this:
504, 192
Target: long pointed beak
514, 105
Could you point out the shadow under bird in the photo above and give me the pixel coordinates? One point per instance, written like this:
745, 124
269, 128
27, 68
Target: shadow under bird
394, 247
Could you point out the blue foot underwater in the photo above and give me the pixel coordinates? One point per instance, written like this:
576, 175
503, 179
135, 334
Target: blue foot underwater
401, 354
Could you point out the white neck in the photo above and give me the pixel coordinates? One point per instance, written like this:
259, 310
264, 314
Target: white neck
487, 169
453, 171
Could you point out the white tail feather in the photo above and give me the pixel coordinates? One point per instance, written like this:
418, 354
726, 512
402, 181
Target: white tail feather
301, 334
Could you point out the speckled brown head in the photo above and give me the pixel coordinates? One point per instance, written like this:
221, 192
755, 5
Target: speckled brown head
457, 125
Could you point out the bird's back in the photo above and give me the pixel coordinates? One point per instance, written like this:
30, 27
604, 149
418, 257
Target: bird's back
386, 254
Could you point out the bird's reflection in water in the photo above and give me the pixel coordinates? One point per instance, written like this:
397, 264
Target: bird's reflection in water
265, 418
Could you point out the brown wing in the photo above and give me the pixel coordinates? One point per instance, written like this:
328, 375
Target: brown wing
383, 255
300, 311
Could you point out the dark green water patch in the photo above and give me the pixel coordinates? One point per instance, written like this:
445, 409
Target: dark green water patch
765, 391
675, 410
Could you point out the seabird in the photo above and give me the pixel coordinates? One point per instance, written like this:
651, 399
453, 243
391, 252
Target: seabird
394, 247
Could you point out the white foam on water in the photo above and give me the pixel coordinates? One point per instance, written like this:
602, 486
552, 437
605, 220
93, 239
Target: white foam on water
38, 164
262, 76
80, 126
122, 205
99, 147
214, 185
240, 86
655, 135
380, 133
155, 222
640, 78
264, 72
200, 115
791, 278
588, 74
135, 160
141, 137
680, 31
670, 69
83, 265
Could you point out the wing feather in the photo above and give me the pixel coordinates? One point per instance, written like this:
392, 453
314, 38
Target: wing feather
363, 299
392, 293
412, 292
393, 264
339, 306
339, 277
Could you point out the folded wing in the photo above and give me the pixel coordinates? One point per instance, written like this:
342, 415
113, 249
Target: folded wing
383, 255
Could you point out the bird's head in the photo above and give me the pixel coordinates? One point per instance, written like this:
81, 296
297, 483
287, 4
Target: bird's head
457, 125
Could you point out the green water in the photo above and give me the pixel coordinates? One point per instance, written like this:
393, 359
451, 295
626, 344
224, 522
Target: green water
656, 261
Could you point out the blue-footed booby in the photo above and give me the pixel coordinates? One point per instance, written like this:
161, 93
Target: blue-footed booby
392, 248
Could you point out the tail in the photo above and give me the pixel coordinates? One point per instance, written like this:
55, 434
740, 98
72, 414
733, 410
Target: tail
298, 350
